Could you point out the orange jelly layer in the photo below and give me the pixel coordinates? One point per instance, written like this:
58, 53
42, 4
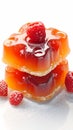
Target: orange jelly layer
34, 85
36, 59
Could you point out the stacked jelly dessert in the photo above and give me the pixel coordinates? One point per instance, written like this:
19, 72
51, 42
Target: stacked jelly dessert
35, 58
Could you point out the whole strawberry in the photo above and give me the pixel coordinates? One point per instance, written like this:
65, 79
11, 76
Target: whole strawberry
15, 98
3, 88
69, 81
36, 32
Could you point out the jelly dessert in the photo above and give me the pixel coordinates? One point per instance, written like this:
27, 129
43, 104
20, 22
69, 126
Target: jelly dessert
39, 88
35, 46
35, 58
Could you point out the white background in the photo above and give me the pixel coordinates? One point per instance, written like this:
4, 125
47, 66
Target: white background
57, 114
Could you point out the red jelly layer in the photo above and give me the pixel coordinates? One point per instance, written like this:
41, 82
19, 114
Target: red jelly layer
37, 59
36, 86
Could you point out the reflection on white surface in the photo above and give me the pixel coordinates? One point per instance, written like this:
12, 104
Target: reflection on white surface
32, 115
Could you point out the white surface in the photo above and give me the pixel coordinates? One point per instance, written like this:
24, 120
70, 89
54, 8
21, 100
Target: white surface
58, 113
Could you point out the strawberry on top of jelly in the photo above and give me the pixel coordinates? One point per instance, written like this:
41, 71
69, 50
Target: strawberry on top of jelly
36, 32
35, 48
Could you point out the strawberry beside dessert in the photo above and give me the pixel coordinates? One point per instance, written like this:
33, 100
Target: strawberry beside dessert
35, 58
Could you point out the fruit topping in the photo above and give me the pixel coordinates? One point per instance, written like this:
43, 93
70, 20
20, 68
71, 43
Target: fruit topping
69, 81
3, 88
36, 32
15, 98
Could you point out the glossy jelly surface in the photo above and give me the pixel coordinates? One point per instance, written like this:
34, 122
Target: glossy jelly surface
35, 85
37, 59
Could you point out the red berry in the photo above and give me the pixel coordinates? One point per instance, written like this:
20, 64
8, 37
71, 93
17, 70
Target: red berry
3, 88
36, 32
15, 98
69, 81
